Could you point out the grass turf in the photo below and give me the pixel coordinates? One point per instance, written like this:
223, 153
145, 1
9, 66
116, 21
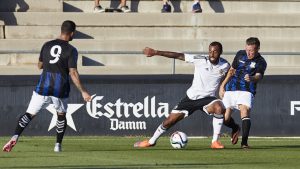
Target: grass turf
118, 152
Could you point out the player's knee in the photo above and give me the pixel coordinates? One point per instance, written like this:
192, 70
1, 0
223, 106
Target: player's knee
245, 111
218, 108
244, 108
245, 115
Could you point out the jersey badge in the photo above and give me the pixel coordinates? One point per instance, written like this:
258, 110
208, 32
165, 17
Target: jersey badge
252, 65
222, 72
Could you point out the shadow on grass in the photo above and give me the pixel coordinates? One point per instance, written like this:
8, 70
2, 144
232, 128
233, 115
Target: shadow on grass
143, 149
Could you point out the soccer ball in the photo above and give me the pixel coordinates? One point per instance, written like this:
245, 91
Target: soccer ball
178, 140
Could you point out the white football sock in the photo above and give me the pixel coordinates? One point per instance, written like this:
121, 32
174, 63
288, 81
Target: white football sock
159, 131
217, 126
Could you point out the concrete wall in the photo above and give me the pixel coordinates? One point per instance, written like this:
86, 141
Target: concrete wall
231, 45
276, 23
159, 33
210, 6
147, 19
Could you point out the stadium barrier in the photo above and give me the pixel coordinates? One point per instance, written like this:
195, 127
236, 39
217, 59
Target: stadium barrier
275, 60
137, 104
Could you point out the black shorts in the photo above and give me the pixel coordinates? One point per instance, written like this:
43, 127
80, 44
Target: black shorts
188, 106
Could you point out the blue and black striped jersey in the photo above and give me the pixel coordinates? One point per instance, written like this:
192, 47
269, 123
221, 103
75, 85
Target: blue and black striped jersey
244, 66
57, 57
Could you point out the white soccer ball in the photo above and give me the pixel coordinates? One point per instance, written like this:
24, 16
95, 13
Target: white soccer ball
178, 140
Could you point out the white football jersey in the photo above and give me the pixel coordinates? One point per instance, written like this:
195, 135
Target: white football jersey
207, 77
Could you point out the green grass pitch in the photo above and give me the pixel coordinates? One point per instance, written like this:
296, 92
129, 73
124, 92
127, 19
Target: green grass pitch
118, 152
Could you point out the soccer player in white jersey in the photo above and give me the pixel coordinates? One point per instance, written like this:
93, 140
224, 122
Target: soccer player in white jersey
208, 74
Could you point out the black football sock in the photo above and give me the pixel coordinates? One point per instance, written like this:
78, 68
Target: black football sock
231, 123
24, 120
246, 124
61, 125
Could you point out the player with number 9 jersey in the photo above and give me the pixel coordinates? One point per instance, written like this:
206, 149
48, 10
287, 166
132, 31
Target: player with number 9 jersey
57, 57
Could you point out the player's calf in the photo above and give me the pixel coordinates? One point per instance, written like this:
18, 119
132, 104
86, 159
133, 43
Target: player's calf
235, 130
24, 120
61, 125
246, 125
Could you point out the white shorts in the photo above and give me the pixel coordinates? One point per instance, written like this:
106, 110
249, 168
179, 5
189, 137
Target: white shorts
232, 99
39, 102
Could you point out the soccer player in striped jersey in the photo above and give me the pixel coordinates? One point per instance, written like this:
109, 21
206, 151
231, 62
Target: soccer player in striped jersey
58, 59
208, 74
239, 87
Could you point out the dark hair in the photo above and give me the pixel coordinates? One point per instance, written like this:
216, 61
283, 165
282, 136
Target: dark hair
215, 43
68, 27
253, 41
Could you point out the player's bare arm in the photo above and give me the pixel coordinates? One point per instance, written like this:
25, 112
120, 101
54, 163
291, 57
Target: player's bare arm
149, 52
229, 74
75, 78
257, 77
40, 65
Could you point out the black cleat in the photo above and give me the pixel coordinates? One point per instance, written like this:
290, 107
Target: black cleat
245, 146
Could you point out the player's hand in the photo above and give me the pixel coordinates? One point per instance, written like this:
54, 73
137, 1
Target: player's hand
247, 78
149, 52
86, 96
221, 92
231, 71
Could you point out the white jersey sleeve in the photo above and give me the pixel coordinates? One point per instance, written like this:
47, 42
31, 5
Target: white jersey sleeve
190, 58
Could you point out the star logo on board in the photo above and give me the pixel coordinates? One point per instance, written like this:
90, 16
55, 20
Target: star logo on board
72, 108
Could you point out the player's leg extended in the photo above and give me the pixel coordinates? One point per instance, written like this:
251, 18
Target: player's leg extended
36, 103
216, 109
246, 124
61, 125
172, 119
229, 102
23, 121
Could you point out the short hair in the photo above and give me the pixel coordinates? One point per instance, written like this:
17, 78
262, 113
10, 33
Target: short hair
68, 26
215, 43
253, 41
